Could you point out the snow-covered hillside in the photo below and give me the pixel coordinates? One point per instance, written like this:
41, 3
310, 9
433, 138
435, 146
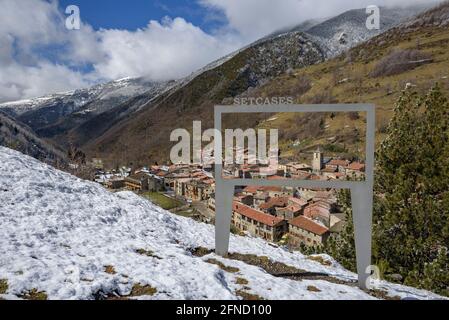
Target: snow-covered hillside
114, 91
340, 33
72, 239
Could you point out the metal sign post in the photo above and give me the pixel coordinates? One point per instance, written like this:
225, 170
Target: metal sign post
361, 191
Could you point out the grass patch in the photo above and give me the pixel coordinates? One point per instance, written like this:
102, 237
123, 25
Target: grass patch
34, 295
313, 289
201, 252
116, 298
3, 286
265, 263
381, 294
222, 266
109, 270
320, 260
241, 281
248, 296
139, 290
335, 148
236, 231
281, 270
163, 201
277, 269
147, 253
186, 213
400, 61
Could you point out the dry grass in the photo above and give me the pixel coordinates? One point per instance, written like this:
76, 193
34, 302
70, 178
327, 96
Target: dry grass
3, 286
34, 294
380, 294
147, 253
109, 270
313, 289
320, 260
248, 296
241, 281
281, 270
222, 266
381, 91
201, 252
400, 61
139, 290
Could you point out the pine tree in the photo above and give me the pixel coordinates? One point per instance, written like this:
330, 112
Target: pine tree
412, 188
435, 275
341, 246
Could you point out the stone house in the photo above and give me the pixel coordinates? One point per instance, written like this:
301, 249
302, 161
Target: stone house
137, 182
257, 223
155, 183
115, 183
338, 164
305, 231
356, 169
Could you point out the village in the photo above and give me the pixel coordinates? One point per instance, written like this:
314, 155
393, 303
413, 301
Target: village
292, 216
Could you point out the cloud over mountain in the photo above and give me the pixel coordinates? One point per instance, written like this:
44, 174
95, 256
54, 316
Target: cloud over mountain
38, 55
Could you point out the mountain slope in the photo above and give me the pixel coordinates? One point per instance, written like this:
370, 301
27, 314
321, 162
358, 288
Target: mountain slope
20, 137
135, 127
144, 136
54, 115
76, 100
349, 78
71, 239
338, 34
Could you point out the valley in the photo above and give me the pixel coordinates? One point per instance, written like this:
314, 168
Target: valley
93, 206
135, 128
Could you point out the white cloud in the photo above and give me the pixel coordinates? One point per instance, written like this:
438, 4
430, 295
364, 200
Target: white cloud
256, 18
161, 51
19, 81
38, 55
26, 27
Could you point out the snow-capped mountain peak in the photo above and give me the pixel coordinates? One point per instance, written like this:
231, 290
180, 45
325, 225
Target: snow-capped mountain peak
121, 89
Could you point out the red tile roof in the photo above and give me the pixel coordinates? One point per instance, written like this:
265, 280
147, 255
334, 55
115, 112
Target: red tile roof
161, 174
315, 177
251, 189
209, 181
339, 163
241, 196
198, 174
276, 177
273, 189
301, 176
309, 225
298, 201
292, 208
255, 189
256, 215
274, 202
356, 166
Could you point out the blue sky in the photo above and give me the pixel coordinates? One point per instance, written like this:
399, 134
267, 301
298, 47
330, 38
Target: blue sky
134, 14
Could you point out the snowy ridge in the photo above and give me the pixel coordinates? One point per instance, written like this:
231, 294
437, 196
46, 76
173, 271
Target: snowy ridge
59, 233
338, 34
118, 89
